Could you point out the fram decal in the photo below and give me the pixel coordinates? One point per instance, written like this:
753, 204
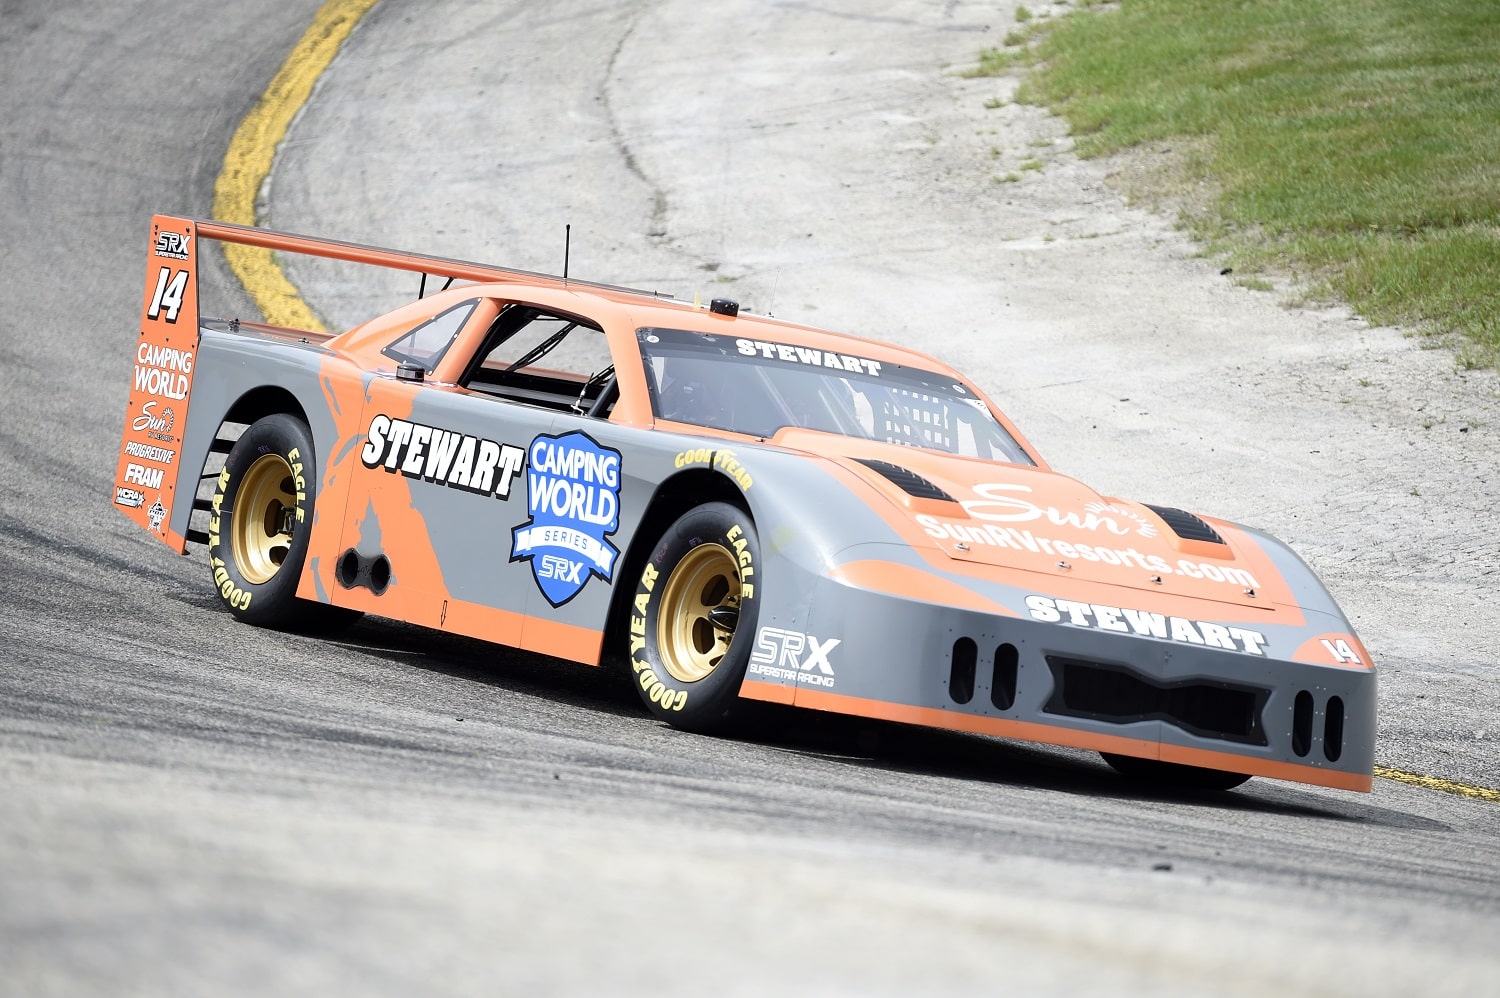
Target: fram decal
792, 656
573, 494
1002, 502
433, 454
1124, 620
807, 356
139, 474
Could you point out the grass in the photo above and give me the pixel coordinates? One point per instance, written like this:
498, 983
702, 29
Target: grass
1352, 143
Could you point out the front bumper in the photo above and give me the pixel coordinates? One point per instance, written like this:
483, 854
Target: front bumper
904, 658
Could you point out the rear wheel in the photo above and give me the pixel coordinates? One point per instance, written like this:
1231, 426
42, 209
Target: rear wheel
1172, 774
260, 524
693, 618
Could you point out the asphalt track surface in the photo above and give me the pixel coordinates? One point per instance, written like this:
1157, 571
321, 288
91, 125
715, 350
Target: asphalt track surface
188, 806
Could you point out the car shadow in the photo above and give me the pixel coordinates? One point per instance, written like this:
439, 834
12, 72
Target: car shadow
862, 742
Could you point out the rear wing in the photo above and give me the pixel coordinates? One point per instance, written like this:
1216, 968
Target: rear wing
147, 474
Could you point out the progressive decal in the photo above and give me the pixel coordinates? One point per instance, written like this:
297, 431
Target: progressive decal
432, 454
573, 494
1123, 620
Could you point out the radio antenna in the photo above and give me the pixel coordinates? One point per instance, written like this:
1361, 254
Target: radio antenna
567, 247
775, 284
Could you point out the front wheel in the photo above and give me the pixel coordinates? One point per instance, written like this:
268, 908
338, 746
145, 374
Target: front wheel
260, 525
1173, 774
692, 622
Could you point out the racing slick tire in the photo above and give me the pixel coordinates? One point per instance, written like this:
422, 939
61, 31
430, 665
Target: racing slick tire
1172, 774
692, 621
260, 524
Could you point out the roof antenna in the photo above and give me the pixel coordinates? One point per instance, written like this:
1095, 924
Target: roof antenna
567, 247
774, 285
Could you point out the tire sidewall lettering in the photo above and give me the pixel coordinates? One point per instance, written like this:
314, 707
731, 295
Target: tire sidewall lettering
702, 703
274, 601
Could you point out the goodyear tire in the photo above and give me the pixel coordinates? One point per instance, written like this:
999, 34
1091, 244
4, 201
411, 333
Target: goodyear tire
260, 522
692, 622
1172, 774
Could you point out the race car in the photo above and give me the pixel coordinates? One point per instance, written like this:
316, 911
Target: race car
736, 507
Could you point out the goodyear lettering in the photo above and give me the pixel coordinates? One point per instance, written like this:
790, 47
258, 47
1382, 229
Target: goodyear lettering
294, 458
721, 460
1123, 620
148, 452
645, 673
444, 457
736, 538
231, 593
792, 656
789, 354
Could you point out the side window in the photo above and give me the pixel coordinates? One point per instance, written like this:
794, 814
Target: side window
543, 358
426, 344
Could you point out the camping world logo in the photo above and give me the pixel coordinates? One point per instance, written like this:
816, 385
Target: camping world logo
573, 492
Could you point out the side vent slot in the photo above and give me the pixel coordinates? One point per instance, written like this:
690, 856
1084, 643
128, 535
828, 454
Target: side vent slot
1333, 729
1302, 718
1186, 525
1003, 688
908, 481
961, 676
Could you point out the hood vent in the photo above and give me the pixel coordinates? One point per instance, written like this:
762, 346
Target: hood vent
1186, 525
909, 482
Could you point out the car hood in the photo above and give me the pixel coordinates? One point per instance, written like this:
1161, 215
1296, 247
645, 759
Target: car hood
1028, 519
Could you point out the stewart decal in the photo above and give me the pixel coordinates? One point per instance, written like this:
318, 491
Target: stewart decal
1148, 625
804, 355
433, 454
573, 493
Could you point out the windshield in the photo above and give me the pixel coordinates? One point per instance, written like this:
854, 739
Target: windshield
757, 387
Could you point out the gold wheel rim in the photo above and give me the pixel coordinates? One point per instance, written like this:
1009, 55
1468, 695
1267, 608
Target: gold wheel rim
691, 644
263, 510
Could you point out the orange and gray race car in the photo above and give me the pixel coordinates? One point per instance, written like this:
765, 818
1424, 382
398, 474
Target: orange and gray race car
740, 508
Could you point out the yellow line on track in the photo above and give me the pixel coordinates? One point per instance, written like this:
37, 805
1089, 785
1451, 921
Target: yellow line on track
1437, 783
253, 150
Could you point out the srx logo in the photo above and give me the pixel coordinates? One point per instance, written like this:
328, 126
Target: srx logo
550, 566
785, 649
172, 244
